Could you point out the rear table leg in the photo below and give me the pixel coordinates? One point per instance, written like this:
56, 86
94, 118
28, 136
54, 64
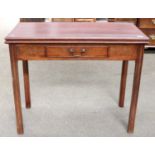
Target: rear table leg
123, 83
26, 84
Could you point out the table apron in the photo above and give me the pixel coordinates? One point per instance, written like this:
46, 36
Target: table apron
76, 52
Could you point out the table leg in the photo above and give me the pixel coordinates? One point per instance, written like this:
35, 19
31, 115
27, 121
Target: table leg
135, 91
26, 84
123, 83
16, 90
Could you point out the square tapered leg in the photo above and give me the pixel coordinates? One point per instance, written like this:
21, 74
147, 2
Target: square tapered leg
123, 83
16, 90
26, 84
135, 90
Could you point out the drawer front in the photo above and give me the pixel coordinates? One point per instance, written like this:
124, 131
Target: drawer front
83, 52
123, 52
151, 34
147, 23
77, 51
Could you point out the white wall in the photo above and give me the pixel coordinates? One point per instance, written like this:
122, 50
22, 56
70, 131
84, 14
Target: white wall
6, 25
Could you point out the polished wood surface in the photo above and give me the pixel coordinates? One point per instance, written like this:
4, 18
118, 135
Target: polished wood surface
76, 32
76, 41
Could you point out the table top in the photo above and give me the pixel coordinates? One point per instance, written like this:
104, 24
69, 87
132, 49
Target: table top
76, 32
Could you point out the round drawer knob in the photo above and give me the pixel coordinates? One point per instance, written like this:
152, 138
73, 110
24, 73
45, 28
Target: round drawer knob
153, 21
83, 50
71, 50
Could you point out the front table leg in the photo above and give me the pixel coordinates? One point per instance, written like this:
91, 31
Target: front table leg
135, 90
16, 90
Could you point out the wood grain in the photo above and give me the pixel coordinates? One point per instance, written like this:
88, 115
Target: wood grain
16, 90
77, 32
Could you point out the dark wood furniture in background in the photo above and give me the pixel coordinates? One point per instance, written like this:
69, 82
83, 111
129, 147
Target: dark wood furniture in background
58, 19
62, 19
73, 19
80, 41
147, 25
130, 20
32, 19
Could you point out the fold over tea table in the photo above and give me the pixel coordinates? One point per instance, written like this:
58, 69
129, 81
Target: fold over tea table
76, 41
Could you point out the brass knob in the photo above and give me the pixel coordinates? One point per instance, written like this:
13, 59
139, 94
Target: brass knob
83, 50
152, 37
71, 50
153, 21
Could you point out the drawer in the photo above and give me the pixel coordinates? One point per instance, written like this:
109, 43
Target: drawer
147, 22
77, 51
151, 34
34, 52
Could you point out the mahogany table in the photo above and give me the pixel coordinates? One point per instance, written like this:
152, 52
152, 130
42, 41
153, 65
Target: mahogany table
76, 41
